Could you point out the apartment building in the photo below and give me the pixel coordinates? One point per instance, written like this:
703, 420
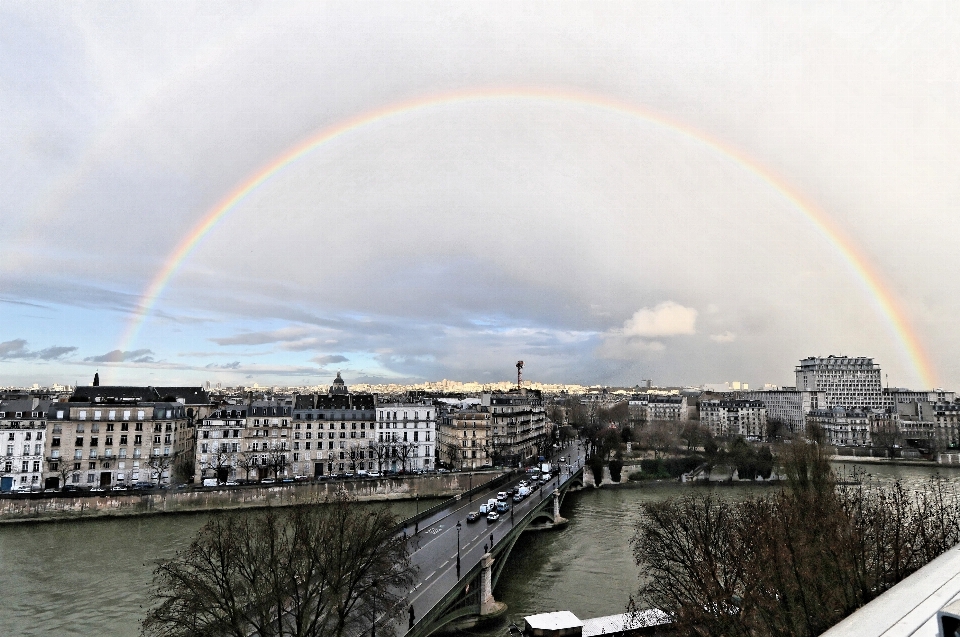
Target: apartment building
406, 436
845, 381
789, 405
332, 432
843, 426
746, 418
23, 431
519, 426
100, 444
221, 440
466, 439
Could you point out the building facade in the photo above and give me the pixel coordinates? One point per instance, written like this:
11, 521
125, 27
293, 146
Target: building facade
23, 430
845, 381
747, 418
333, 432
789, 405
518, 422
466, 438
407, 436
103, 444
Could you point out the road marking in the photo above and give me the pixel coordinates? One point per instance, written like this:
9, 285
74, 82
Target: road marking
430, 575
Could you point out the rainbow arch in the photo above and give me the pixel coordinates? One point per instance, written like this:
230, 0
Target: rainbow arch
865, 271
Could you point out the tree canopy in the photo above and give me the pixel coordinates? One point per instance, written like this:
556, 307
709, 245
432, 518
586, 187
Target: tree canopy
326, 569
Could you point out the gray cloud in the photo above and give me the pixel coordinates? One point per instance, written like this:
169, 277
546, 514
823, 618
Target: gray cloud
118, 356
233, 365
330, 359
17, 349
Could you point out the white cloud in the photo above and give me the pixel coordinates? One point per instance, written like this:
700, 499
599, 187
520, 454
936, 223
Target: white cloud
666, 319
726, 337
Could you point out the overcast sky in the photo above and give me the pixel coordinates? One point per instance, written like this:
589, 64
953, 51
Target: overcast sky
451, 239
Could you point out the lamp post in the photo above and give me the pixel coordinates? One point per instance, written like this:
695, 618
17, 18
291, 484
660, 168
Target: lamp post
458, 549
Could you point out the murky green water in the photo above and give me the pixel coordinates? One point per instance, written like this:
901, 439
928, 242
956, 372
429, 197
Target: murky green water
93, 578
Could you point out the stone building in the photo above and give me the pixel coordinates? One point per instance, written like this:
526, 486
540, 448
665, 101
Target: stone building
102, 444
332, 432
406, 436
747, 418
845, 382
23, 430
519, 426
466, 438
788, 405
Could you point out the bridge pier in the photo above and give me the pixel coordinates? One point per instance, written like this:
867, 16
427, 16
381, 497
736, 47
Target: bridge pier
488, 605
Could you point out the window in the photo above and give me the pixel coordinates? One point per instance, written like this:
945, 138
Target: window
123, 439
138, 426
82, 414
138, 440
124, 426
108, 441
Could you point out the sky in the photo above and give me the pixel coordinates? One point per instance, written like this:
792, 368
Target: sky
686, 192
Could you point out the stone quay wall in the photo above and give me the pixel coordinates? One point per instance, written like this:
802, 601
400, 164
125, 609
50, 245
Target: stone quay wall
52, 507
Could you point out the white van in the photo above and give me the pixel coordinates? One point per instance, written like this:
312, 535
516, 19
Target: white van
486, 508
209, 482
524, 491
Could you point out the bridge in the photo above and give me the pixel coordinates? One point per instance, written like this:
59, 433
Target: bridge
460, 563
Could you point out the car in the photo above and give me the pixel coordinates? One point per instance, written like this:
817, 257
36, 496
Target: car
267, 481
373, 474
71, 488
443, 471
502, 496
502, 507
518, 498
287, 480
493, 516
119, 487
301, 478
98, 490
563, 458
232, 483
473, 516
484, 509
524, 483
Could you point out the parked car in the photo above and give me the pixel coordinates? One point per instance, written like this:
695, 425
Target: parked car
373, 474
119, 487
473, 516
267, 481
232, 483
493, 516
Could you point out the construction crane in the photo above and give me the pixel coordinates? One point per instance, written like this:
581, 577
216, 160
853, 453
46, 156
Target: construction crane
519, 376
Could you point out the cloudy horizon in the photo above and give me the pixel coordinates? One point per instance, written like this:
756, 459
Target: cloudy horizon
611, 192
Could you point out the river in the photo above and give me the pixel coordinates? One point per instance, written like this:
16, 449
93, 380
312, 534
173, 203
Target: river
93, 578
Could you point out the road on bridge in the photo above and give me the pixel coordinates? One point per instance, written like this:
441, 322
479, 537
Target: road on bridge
434, 548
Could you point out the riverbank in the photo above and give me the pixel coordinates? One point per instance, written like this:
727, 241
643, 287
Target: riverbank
43, 508
894, 462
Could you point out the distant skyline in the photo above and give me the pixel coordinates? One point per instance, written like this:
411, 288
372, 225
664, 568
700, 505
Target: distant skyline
689, 192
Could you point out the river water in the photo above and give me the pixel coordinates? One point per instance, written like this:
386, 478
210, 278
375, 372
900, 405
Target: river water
93, 578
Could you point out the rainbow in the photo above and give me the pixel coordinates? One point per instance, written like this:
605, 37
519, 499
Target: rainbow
882, 297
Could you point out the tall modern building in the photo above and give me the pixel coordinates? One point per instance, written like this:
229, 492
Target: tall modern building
844, 381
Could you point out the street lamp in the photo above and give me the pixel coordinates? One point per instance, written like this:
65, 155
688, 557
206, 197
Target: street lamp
458, 549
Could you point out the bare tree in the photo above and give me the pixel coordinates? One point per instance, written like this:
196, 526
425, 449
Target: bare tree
355, 452
380, 451
158, 465
221, 460
454, 454
402, 451
247, 461
64, 469
278, 459
327, 569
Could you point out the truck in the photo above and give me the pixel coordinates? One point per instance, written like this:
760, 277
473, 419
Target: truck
209, 482
545, 467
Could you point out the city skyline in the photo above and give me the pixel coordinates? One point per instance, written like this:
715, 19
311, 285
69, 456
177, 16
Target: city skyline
691, 193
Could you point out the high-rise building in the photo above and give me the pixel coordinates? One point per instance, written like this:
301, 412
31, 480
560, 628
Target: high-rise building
845, 381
